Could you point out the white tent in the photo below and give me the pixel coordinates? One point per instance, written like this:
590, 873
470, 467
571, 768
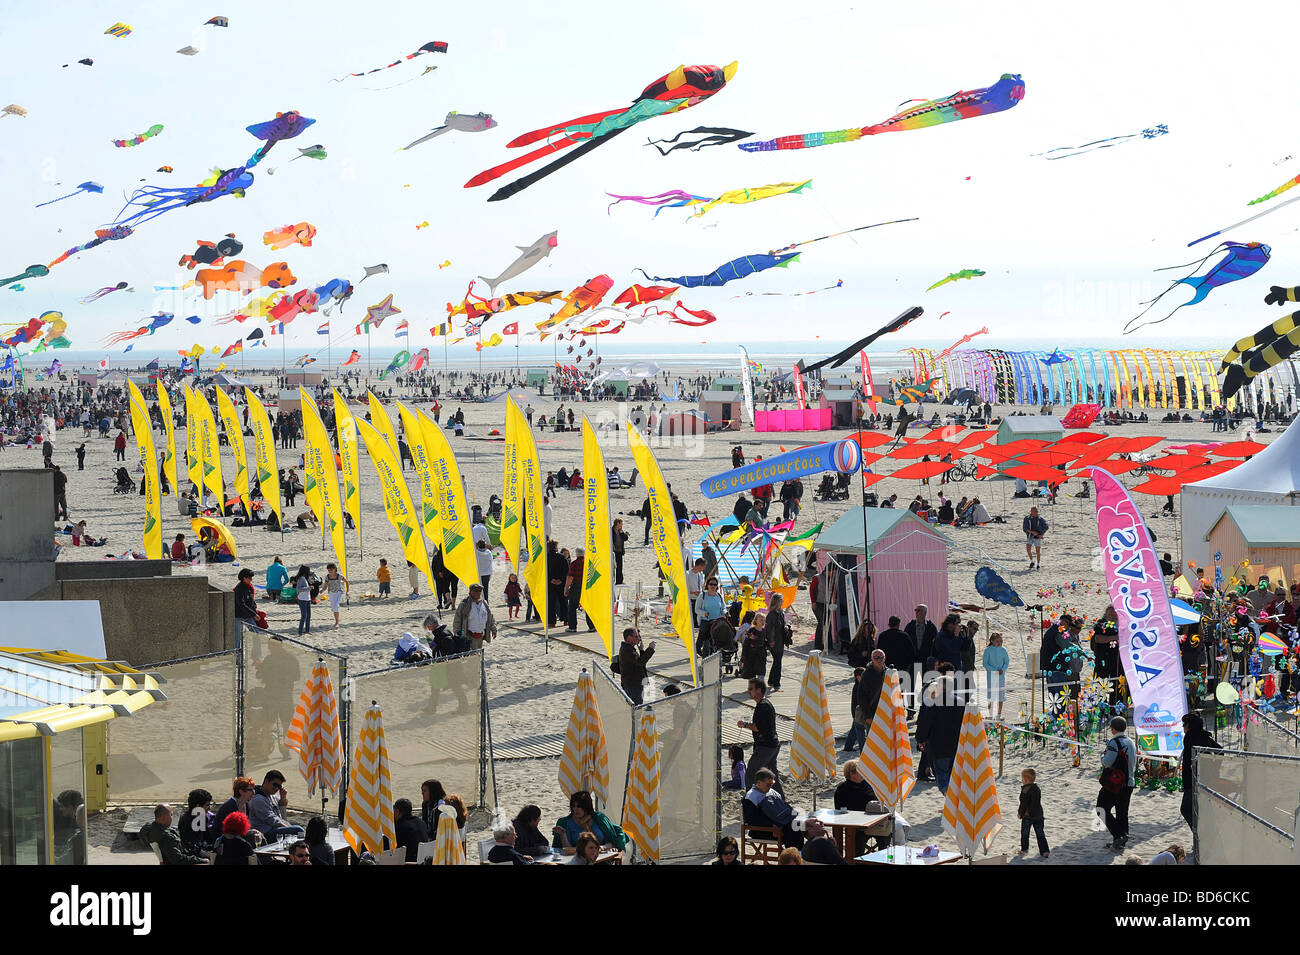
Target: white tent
1270, 477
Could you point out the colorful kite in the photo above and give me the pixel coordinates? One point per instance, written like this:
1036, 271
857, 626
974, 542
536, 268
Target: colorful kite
241, 276
482, 307
149, 133
907, 393
635, 295
217, 22
676, 198
701, 317
31, 272
1290, 183
337, 291
1055, 358
155, 322
708, 136
398, 362
529, 256
457, 122
13, 109
291, 306
163, 169
212, 253
1269, 346
1004, 94
683, 88
963, 274
118, 30
376, 314
433, 46
353, 358
310, 152
304, 360
1109, 143
285, 236
1240, 260
959, 342
84, 187
583, 298
96, 295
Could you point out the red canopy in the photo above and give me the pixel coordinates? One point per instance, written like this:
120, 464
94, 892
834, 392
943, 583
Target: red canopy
1049, 456
1133, 445
870, 457
1238, 449
1176, 462
923, 469
1115, 467
946, 433
1037, 472
983, 471
921, 449
870, 477
869, 439
1080, 437
975, 437
1023, 446
1161, 485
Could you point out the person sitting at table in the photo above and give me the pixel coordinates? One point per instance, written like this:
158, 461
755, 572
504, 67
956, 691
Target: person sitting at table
528, 837
763, 806
317, 839
855, 792
161, 834
462, 817
243, 795
264, 808
587, 851
195, 835
820, 847
233, 846
408, 829
789, 857
503, 849
728, 852
299, 853
583, 819
432, 796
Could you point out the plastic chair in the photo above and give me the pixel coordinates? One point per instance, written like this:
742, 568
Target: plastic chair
424, 852
392, 856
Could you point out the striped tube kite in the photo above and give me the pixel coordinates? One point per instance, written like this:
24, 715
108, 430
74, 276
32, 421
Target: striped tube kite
681, 89
1269, 346
1242, 260
676, 198
965, 104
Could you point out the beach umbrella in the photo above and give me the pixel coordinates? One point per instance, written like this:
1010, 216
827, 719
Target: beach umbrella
812, 750
923, 469
1238, 449
447, 847
887, 753
223, 533
584, 762
971, 814
368, 818
641, 804
314, 733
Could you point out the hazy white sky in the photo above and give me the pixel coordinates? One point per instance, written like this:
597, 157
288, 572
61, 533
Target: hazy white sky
1068, 246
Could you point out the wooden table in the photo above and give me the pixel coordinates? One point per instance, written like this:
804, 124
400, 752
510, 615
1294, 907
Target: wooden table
606, 855
843, 825
907, 855
334, 838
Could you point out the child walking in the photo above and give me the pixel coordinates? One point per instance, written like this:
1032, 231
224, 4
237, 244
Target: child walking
513, 594
335, 584
1030, 813
385, 579
996, 661
413, 576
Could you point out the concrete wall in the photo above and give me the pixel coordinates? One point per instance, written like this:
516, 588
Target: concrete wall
150, 619
119, 569
26, 532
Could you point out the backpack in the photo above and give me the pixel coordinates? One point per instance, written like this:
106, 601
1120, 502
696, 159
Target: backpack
1114, 778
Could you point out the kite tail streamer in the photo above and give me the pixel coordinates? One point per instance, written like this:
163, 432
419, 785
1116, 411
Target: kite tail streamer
671, 198
804, 141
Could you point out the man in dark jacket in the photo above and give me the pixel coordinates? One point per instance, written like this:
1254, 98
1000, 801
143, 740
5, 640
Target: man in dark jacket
632, 663
161, 834
873, 681
557, 572
948, 642
763, 805
245, 602
922, 632
1194, 735
645, 516
938, 728
408, 828
767, 748
900, 651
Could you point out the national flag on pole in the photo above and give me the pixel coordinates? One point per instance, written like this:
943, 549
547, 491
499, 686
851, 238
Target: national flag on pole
103, 364
440, 330
234, 349
472, 329
511, 329
353, 358
401, 330
323, 329
277, 328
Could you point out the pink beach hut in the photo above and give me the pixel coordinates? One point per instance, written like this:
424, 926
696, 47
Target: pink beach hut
908, 565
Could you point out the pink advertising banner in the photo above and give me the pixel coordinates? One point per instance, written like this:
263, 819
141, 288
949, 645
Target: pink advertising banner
1148, 641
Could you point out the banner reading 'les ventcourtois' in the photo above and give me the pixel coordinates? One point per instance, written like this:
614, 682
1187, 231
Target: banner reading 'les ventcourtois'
1148, 643
844, 456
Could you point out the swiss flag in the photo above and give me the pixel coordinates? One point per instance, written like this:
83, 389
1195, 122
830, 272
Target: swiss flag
511, 329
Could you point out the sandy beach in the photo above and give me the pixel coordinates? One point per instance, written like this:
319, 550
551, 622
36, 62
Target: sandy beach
530, 685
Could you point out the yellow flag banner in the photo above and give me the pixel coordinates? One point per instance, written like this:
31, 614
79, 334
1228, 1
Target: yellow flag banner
534, 487
169, 426
663, 534
320, 460
346, 428
193, 461
235, 438
512, 483
268, 473
419, 448
383, 424
140, 424
313, 466
456, 539
397, 500
598, 570
210, 450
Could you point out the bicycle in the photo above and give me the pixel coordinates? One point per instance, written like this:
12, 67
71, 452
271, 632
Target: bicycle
964, 469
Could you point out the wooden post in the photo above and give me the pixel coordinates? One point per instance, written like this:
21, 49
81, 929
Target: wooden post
1002, 747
